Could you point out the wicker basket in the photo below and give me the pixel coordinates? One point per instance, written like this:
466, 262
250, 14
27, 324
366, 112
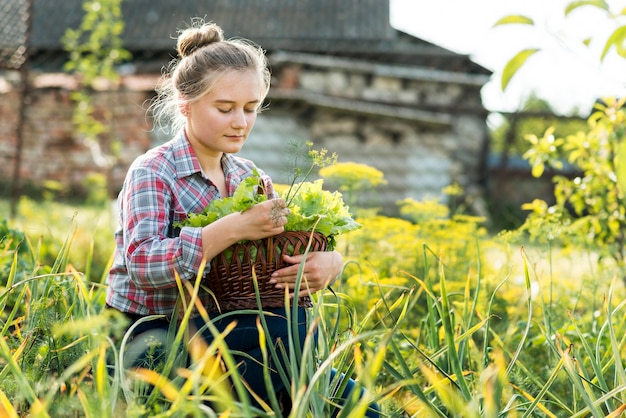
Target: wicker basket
230, 276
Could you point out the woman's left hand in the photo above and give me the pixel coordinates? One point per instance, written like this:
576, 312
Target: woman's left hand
320, 268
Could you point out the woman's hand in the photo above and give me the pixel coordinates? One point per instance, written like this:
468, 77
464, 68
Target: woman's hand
320, 268
263, 220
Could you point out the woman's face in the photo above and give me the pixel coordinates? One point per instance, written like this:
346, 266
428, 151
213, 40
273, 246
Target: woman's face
222, 119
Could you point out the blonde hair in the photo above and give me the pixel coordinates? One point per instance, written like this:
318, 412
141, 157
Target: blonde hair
203, 56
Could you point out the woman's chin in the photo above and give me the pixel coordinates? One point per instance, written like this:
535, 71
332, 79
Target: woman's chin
233, 149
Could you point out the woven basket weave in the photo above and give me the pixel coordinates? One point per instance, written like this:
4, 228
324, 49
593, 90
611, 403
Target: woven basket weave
230, 276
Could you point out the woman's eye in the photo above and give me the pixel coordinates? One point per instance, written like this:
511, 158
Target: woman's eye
229, 110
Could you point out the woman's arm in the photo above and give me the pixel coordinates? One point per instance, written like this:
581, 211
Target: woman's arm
154, 257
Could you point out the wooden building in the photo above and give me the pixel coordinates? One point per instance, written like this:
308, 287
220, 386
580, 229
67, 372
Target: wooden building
343, 78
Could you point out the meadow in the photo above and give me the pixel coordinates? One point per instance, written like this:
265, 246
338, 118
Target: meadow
434, 316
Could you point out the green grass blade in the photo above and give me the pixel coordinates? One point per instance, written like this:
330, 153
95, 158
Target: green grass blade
62, 259
529, 304
432, 312
588, 397
612, 394
469, 310
455, 361
540, 395
9, 282
620, 373
407, 375
486, 359
22, 380
593, 360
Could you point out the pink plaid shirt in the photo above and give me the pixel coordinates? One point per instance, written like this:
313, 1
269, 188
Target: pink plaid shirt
161, 187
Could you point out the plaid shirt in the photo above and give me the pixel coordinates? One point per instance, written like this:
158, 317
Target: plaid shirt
161, 187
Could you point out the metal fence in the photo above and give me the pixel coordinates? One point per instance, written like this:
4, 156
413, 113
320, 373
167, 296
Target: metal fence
15, 29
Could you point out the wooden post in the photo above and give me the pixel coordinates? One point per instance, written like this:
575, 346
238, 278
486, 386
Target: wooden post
19, 138
24, 94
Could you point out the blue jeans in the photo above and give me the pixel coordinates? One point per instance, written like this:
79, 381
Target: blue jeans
243, 338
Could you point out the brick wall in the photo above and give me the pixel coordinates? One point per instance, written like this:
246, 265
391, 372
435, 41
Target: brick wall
53, 150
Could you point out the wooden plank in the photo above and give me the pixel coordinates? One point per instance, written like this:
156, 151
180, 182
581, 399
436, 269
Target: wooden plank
396, 71
363, 108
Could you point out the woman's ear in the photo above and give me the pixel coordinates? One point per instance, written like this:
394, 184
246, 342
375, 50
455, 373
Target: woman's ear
184, 109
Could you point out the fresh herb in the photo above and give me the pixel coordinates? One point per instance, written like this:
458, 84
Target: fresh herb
315, 158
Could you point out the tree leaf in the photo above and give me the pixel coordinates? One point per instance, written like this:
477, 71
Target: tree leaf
538, 169
514, 65
507, 20
600, 4
617, 38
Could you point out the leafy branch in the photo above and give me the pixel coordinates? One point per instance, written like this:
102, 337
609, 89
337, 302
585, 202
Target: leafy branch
95, 49
315, 158
616, 40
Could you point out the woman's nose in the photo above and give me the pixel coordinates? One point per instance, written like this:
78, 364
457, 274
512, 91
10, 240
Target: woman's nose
239, 119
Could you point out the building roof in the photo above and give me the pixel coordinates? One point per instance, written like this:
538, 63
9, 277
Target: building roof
351, 28
151, 24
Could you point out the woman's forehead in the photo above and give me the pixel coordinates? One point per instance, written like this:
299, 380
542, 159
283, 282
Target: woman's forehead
236, 86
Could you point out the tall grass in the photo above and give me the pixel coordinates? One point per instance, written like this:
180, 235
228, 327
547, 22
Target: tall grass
433, 339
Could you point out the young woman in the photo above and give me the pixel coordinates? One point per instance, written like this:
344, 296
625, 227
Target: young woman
215, 89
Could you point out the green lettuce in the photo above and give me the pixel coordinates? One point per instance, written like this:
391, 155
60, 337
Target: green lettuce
312, 208
246, 195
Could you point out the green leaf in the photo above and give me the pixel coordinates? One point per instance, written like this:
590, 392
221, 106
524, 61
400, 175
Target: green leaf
517, 19
313, 207
617, 38
538, 169
244, 198
514, 65
601, 4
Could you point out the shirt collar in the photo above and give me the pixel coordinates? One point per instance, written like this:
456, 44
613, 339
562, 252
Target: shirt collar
186, 161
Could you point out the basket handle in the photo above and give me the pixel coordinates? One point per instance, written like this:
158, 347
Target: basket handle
266, 187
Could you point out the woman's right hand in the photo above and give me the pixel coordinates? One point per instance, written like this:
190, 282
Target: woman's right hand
263, 220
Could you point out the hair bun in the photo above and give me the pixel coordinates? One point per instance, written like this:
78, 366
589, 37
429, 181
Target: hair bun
196, 37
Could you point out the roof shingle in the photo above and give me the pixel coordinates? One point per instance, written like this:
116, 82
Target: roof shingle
350, 28
151, 24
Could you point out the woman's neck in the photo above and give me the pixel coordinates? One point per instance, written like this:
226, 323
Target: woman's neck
213, 170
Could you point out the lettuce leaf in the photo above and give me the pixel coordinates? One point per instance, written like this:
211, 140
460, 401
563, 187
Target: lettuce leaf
246, 195
312, 208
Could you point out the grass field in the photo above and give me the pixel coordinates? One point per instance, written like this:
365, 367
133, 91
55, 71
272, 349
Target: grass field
435, 318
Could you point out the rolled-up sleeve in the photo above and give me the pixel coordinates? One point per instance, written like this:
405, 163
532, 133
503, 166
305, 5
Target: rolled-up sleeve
154, 258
